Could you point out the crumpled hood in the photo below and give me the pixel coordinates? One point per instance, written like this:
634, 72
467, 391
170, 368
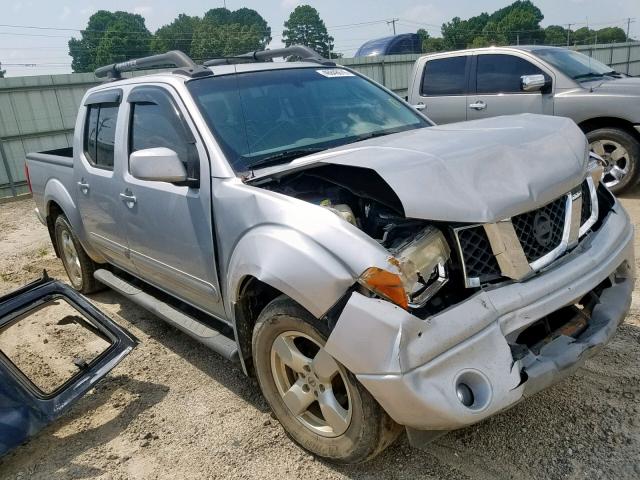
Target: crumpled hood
620, 86
478, 171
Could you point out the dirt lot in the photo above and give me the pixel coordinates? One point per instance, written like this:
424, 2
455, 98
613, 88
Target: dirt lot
174, 409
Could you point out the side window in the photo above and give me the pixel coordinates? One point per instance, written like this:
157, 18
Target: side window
156, 121
90, 130
501, 73
100, 134
445, 76
106, 136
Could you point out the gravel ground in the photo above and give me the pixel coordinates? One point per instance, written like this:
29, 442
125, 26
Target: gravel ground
175, 410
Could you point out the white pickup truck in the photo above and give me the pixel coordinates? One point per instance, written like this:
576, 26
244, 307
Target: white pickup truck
374, 272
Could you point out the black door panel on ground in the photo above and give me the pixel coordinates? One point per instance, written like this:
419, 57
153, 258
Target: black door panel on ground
54, 347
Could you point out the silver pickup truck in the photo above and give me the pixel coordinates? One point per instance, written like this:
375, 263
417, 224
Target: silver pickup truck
486, 82
374, 272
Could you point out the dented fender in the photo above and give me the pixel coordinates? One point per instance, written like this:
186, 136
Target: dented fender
293, 263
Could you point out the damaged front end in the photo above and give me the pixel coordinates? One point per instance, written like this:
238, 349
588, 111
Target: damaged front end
469, 318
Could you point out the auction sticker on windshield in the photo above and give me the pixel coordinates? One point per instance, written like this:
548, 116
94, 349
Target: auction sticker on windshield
335, 72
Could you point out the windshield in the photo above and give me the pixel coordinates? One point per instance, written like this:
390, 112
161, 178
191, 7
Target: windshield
573, 64
274, 116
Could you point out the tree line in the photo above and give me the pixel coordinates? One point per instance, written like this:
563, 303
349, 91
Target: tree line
518, 23
112, 37
118, 36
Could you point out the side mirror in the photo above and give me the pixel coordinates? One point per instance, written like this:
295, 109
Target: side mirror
532, 83
157, 164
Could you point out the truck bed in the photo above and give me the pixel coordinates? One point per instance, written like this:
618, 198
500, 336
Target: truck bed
48, 171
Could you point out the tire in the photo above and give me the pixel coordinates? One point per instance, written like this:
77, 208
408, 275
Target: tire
76, 262
368, 429
621, 151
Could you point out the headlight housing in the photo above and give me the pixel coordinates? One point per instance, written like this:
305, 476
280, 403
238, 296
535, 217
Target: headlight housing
422, 271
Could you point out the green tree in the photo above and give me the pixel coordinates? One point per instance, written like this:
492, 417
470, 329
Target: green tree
109, 37
177, 35
222, 32
460, 33
611, 34
305, 27
519, 21
582, 36
555, 35
429, 43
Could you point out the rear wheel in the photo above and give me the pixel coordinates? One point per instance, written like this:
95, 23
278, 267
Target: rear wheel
319, 403
621, 153
76, 262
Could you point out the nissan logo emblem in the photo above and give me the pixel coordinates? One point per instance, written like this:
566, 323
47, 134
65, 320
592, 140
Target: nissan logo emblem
542, 229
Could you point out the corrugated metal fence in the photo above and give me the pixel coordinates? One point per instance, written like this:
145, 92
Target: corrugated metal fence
622, 57
38, 113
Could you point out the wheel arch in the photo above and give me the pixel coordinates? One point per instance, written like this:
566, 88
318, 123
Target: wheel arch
58, 201
254, 295
53, 210
271, 261
609, 122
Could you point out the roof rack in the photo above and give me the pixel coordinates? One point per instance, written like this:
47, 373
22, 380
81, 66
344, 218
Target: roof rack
185, 65
305, 53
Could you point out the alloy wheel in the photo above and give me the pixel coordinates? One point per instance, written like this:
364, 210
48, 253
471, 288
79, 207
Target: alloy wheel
311, 383
71, 259
616, 158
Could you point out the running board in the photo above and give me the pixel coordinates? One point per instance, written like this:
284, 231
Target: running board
210, 337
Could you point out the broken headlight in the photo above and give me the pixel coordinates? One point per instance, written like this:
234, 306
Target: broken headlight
422, 271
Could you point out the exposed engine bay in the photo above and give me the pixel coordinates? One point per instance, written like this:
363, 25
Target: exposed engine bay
420, 249
358, 195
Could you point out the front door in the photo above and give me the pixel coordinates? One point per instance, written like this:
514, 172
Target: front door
170, 226
54, 347
96, 175
443, 88
498, 88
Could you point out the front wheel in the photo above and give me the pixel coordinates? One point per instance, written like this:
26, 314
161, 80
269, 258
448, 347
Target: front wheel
621, 153
320, 404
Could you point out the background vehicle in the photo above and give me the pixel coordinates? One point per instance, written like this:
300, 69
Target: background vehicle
365, 265
485, 82
394, 45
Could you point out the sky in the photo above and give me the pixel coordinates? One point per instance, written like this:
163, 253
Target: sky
351, 22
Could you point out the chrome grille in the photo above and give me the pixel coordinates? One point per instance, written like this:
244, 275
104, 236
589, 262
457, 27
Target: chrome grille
542, 234
535, 243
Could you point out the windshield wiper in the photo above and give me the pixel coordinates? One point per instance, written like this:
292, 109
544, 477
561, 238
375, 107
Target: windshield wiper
589, 75
284, 156
380, 133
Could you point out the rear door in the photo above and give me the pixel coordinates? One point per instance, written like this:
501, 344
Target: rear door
497, 87
54, 347
442, 88
96, 176
170, 226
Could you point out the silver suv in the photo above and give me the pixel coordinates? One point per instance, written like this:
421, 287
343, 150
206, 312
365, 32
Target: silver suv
486, 82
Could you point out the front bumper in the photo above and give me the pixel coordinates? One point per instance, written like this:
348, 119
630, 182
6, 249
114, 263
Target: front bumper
412, 366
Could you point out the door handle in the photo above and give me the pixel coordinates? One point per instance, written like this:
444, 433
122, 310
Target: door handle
420, 106
84, 187
479, 105
129, 198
